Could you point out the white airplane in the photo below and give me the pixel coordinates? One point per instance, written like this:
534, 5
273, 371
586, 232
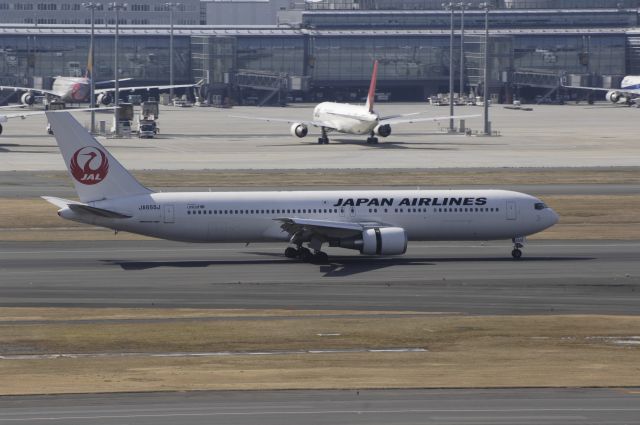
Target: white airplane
628, 92
78, 89
374, 222
352, 119
6, 117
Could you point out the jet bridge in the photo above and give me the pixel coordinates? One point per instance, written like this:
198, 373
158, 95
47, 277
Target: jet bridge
271, 84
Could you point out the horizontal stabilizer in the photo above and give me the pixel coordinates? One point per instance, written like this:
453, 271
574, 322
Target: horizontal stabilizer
81, 208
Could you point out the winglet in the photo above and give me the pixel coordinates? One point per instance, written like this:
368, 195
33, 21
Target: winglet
371, 97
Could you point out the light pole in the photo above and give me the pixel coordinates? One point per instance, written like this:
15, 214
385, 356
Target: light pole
485, 91
462, 6
171, 6
92, 100
450, 7
116, 96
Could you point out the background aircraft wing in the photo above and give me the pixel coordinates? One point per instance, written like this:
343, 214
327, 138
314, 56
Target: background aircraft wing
288, 121
324, 228
112, 89
404, 120
5, 117
49, 92
623, 91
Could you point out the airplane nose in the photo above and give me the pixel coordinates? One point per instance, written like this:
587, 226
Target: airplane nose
553, 217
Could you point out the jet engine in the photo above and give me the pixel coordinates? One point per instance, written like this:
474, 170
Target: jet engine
382, 130
615, 97
28, 99
104, 99
298, 130
377, 241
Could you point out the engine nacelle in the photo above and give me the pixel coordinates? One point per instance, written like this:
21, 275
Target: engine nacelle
382, 130
104, 99
377, 241
28, 99
298, 130
614, 96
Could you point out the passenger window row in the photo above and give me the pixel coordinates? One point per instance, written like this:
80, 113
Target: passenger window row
263, 212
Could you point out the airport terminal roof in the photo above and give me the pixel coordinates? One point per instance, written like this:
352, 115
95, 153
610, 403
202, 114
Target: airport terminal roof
265, 31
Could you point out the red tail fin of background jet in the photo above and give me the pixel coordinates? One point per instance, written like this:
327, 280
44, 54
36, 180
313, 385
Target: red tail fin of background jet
371, 97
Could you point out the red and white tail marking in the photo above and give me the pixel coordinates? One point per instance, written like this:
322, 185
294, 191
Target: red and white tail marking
371, 97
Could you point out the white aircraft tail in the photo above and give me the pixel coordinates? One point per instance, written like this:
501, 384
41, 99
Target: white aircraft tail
371, 97
96, 174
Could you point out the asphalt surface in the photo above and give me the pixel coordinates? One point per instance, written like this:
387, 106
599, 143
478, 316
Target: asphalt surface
371, 407
209, 138
470, 278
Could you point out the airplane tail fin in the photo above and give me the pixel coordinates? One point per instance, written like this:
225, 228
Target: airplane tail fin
371, 97
96, 174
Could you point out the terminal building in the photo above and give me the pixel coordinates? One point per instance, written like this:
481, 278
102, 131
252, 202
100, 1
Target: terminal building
324, 50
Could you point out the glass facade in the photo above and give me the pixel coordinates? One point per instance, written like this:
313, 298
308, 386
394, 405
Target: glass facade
276, 54
604, 55
145, 59
400, 58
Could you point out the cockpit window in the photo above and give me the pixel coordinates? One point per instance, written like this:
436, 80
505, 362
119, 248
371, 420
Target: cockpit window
540, 206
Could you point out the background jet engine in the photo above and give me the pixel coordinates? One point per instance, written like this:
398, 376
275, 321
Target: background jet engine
104, 99
382, 130
298, 130
615, 97
28, 99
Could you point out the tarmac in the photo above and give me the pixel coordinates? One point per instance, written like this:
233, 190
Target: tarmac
553, 277
583, 406
601, 135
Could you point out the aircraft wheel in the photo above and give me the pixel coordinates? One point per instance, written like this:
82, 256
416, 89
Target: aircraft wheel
291, 252
516, 254
305, 255
321, 258
374, 140
369, 140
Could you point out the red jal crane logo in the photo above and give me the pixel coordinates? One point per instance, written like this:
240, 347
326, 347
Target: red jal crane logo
89, 165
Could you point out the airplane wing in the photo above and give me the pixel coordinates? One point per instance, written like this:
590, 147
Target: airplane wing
12, 106
121, 89
326, 229
623, 91
403, 120
31, 89
23, 115
288, 121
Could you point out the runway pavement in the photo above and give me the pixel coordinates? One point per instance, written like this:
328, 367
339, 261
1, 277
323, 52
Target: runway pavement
553, 277
372, 407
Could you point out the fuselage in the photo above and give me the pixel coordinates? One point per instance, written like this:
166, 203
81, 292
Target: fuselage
252, 216
630, 82
72, 89
346, 118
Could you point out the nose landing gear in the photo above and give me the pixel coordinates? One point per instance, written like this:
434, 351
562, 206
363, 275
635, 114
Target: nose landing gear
518, 243
323, 139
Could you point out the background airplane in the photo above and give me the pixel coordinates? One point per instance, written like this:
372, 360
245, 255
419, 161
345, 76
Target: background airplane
628, 92
373, 222
78, 89
352, 119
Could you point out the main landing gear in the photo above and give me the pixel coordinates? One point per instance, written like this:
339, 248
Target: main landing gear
305, 254
518, 243
323, 139
372, 140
